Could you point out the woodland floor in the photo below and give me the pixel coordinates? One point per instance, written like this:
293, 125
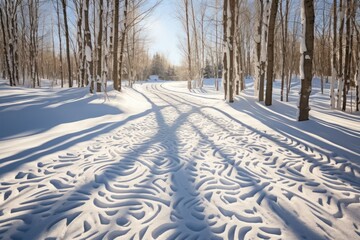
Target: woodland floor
160, 162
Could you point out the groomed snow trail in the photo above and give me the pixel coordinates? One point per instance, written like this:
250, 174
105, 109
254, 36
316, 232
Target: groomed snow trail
185, 170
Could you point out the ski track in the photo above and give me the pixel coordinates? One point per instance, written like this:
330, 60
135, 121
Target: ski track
202, 175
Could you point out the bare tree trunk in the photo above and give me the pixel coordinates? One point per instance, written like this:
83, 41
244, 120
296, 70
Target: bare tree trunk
238, 43
258, 37
196, 60
123, 35
306, 49
53, 52
99, 55
60, 44
347, 66
9, 26
33, 21
263, 57
225, 58
80, 43
105, 70
67, 42
115, 44
23, 45
88, 47
188, 43
202, 27
334, 59
340, 62
357, 75
216, 47
270, 53
230, 32
284, 33
11, 81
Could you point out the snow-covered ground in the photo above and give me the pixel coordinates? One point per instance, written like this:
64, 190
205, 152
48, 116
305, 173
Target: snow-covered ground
160, 162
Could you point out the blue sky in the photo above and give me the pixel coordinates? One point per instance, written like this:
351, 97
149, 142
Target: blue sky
164, 31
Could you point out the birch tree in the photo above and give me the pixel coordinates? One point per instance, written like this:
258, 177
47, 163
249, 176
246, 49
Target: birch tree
122, 45
306, 50
270, 53
263, 54
334, 58
33, 44
88, 47
60, 42
187, 27
229, 43
284, 43
99, 47
258, 40
115, 43
67, 41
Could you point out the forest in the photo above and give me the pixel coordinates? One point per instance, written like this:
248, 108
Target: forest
179, 119
83, 43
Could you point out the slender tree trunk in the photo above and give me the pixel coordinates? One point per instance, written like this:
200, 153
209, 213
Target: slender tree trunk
188, 43
284, 33
216, 47
115, 44
306, 49
123, 36
334, 59
60, 43
80, 43
270, 53
105, 70
67, 42
5, 48
33, 22
263, 57
237, 41
99, 55
347, 66
340, 62
88, 47
258, 38
230, 43
225, 57
53, 52
196, 61
357, 75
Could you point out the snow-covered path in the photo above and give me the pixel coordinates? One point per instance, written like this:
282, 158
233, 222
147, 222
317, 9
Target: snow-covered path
184, 169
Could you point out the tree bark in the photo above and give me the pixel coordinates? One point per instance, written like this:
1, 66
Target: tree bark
88, 48
334, 59
115, 45
306, 49
67, 42
60, 44
225, 58
188, 43
258, 37
123, 35
347, 66
99, 55
263, 56
270, 53
6, 49
230, 43
340, 62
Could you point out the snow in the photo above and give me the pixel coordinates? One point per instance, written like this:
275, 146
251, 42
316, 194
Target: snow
160, 162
